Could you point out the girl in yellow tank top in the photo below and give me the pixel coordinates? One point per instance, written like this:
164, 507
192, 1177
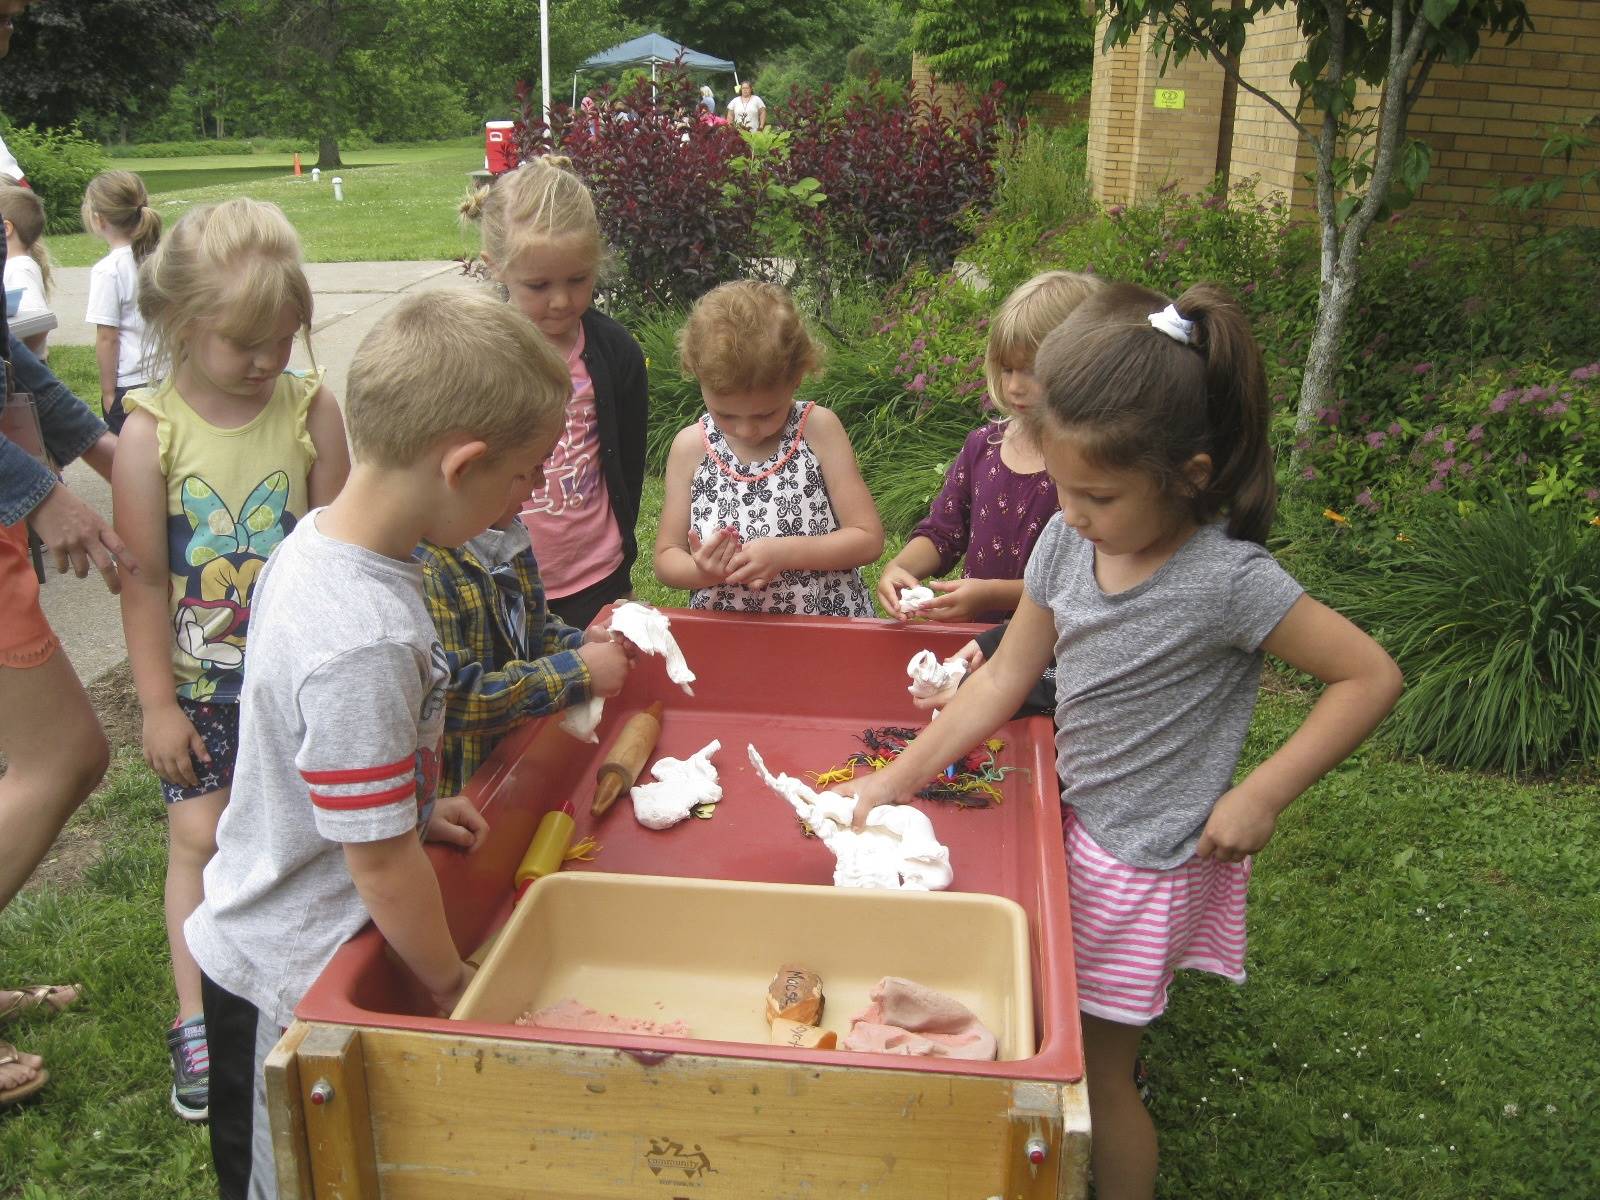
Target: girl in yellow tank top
215, 467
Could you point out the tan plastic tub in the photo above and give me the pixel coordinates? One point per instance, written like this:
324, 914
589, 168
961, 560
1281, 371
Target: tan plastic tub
703, 951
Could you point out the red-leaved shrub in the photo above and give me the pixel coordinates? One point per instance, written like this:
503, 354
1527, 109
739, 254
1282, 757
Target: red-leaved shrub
899, 173
666, 198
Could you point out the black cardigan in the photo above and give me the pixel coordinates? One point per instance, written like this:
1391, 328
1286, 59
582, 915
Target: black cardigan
622, 414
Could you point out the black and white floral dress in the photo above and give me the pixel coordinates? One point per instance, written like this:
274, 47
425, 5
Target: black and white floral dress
785, 496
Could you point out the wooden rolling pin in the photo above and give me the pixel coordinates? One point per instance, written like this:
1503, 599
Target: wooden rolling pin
626, 758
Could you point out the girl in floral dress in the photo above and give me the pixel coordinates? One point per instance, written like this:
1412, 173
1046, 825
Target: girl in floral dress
765, 509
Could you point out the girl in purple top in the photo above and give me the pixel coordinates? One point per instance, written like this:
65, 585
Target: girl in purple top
997, 496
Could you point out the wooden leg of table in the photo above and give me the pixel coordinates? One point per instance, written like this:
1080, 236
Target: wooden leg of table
1074, 1183
287, 1116
1042, 1148
333, 1091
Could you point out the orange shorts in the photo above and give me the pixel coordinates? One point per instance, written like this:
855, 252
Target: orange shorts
26, 639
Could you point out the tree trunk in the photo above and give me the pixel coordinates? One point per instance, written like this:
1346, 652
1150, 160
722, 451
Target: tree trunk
328, 153
1318, 385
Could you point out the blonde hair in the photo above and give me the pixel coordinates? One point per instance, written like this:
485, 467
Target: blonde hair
442, 363
23, 208
540, 202
119, 199
1031, 311
747, 336
234, 266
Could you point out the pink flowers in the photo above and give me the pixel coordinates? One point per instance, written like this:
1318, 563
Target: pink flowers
1422, 368
1377, 438
1475, 434
919, 383
1364, 500
1584, 374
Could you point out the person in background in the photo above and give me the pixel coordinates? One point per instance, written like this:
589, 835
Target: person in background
541, 241
1154, 593
216, 467
748, 110
764, 507
509, 658
453, 402
116, 209
54, 748
708, 102
997, 495
27, 261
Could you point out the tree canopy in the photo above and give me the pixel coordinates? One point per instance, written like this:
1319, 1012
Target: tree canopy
1029, 45
100, 56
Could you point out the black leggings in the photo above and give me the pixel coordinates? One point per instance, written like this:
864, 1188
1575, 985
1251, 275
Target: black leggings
580, 608
231, 1038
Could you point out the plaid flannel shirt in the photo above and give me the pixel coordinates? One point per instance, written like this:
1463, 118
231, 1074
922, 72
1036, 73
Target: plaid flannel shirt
505, 667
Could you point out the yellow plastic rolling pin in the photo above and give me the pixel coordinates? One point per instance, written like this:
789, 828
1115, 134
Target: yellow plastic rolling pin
548, 850
626, 758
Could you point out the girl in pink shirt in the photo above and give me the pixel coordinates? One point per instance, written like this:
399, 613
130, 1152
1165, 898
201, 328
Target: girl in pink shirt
541, 241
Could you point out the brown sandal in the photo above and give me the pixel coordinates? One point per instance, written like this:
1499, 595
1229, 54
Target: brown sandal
58, 997
8, 1056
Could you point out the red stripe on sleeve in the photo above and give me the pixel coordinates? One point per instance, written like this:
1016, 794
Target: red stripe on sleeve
403, 766
366, 800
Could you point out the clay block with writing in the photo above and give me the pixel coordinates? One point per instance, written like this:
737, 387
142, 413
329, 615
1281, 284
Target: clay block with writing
795, 994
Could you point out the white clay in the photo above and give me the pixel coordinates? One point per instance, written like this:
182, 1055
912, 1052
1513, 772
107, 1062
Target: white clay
913, 598
681, 785
649, 630
581, 720
896, 851
929, 676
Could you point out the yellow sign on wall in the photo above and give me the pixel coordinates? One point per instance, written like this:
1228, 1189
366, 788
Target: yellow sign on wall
1169, 97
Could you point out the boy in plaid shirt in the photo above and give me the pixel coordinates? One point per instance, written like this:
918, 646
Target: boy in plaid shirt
509, 657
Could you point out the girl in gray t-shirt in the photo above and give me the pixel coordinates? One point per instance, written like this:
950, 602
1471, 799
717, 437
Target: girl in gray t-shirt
1153, 595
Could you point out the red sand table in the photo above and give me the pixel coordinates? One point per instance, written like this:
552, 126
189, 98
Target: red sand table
371, 1094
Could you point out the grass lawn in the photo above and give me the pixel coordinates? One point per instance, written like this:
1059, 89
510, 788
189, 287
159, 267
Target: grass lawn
1418, 1021
75, 366
399, 202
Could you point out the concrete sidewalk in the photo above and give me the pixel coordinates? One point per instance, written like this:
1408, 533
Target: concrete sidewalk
349, 300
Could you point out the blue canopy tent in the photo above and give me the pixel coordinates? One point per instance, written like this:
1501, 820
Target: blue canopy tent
653, 50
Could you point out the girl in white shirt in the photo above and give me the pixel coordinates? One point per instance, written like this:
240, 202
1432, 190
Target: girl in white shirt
27, 261
116, 208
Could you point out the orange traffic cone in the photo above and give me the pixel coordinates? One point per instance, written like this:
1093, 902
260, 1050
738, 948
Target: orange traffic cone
297, 162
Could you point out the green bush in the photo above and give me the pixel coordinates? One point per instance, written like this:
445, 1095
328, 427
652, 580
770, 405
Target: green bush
1527, 433
59, 164
1043, 179
1495, 619
191, 149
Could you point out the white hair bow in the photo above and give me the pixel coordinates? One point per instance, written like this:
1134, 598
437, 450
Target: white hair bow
1172, 323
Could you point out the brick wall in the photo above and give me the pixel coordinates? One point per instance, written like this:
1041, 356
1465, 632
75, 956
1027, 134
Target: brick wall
1135, 147
1265, 146
1112, 100
1485, 122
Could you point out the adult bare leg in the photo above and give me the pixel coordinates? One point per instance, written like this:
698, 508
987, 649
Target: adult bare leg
55, 753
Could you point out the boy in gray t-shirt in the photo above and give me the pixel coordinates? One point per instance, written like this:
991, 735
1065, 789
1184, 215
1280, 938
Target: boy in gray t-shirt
454, 403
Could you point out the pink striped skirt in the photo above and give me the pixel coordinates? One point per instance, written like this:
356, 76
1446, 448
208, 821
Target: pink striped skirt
1133, 927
